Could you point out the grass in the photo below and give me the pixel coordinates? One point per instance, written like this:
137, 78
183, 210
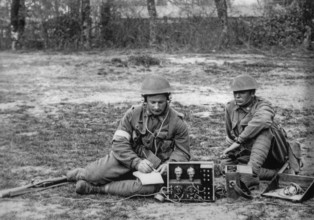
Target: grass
72, 135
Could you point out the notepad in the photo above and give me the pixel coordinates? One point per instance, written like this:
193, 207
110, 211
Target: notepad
149, 178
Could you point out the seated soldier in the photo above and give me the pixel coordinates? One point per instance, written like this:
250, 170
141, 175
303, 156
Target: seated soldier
254, 138
148, 137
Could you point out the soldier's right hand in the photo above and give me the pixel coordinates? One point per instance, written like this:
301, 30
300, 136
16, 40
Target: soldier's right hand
145, 166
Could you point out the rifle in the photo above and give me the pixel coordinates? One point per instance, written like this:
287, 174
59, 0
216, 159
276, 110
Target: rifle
34, 187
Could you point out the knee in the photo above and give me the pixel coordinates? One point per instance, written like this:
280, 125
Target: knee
75, 175
262, 143
265, 136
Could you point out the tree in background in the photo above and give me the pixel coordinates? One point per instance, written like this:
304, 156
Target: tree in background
67, 24
74, 8
308, 17
287, 24
221, 6
18, 15
39, 12
152, 12
105, 18
5, 24
86, 23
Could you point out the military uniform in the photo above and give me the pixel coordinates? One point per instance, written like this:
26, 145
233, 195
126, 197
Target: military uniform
140, 135
263, 143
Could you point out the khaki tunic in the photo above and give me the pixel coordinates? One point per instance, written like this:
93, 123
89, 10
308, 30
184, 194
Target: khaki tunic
263, 145
243, 124
166, 136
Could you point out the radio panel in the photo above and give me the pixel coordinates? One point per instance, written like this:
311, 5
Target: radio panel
191, 181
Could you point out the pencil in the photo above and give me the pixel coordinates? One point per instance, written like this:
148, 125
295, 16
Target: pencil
152, 168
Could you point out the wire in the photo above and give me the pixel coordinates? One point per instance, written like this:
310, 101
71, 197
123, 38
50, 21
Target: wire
137, 195
197, 188
162, 123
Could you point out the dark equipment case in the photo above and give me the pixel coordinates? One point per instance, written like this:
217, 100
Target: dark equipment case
280, 181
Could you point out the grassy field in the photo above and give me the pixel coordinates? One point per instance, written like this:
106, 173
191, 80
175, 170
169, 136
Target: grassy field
59, 111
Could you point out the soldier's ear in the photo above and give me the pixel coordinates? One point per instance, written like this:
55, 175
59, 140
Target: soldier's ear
169, 98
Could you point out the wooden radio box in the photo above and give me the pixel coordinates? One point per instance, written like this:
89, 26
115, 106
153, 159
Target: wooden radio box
191, 181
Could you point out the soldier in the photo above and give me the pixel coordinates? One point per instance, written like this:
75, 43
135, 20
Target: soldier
254, 138
148, 137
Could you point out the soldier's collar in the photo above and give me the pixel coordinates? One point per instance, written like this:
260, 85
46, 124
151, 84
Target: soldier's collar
247, 107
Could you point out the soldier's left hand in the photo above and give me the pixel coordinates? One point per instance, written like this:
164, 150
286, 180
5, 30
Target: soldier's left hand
232, 147
162, 169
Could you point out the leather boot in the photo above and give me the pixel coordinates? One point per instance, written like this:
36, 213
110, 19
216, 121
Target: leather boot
251, 181
83, 188
74, 175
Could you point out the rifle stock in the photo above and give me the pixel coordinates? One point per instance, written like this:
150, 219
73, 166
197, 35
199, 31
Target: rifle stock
33, 187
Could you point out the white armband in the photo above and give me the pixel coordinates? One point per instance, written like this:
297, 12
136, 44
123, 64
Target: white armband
120, 133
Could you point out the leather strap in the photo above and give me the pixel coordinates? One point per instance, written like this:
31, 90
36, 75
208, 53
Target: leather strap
242, 192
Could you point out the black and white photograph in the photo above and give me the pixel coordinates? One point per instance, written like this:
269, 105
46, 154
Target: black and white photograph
157, 109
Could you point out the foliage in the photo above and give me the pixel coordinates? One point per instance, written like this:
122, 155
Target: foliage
58, 25
144, 60
63, 31
281, 27
129, 32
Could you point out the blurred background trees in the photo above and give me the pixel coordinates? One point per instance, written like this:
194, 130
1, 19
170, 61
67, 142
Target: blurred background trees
18, 17
169, 25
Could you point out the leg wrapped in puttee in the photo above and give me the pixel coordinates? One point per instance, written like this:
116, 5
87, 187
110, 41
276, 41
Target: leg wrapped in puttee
119, 188
260, 151
100, 172
130, 188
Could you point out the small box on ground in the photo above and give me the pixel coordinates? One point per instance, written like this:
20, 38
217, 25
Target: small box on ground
233, 184
294, 188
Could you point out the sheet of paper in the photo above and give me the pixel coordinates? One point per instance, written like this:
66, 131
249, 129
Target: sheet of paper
149, 178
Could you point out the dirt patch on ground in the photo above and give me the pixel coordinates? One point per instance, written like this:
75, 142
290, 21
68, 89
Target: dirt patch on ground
60, 111
26, 209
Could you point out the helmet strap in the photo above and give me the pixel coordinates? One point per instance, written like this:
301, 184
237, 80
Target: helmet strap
249, 102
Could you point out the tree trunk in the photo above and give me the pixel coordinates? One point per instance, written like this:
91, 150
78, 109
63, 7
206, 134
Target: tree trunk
152, 12
105, 17
74, 8
221, 6
86, 24
308, 12
56, 7
18, 14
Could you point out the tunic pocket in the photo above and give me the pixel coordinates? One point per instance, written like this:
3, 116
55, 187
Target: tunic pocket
245, 121
167, 145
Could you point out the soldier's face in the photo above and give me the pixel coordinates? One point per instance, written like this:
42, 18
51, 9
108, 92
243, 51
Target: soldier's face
157, 104
243, 97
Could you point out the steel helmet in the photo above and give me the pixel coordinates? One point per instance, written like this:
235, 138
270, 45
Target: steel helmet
243, 82
154, 84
